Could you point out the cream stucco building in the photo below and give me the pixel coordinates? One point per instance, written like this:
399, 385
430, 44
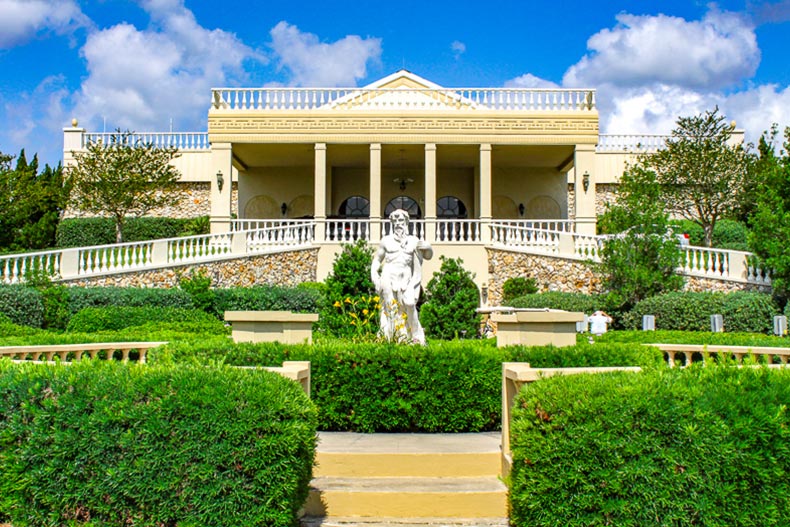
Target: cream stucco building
467, 163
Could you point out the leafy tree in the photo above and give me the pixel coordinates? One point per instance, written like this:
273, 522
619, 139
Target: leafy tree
642, 260
124, 177
452, 299
700, 175
31, 203
770, 221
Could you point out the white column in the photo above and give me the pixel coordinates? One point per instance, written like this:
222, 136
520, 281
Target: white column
72, 142
485, 192
584, 171
319, 191
221, 163
375, 192
430, 192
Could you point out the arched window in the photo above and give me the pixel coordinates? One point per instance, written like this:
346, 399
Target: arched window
406, 203
355, 207
450, 207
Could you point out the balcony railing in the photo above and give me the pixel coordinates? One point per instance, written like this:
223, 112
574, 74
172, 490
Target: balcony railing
253, 237
183, 141
631, 144
506, 99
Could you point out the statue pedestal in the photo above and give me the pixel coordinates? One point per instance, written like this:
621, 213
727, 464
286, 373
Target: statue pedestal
271, 326
536, 327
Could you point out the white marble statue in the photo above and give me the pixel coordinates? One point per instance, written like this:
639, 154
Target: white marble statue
397, 272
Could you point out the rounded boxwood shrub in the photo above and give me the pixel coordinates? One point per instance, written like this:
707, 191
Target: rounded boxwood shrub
683, 447
99, 443
92, 319
23, 305
749, 312
691, 311
681, 310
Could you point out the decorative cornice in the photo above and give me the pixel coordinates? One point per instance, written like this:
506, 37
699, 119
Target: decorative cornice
553, 129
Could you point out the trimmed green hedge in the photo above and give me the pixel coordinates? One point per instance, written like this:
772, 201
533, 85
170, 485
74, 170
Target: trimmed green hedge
267, 298
691, 311
84, 232
101, 443
82, 297
558, 300
22, 305
699, 446
93, 319
444, 387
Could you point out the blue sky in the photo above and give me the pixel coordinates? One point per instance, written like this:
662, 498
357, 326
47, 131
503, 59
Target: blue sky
147, 65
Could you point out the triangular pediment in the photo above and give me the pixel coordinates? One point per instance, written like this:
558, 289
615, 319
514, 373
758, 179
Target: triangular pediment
403, 90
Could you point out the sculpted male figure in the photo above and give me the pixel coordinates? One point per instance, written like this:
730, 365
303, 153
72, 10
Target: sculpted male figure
396, 272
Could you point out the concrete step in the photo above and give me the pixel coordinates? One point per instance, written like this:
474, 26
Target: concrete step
403, 522
395, 479
344, 454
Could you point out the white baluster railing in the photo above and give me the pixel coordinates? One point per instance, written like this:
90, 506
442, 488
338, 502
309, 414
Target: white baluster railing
347, 230
505, 99
101, 259
457, 231
633, 144
515, 235
16, 268
183, 141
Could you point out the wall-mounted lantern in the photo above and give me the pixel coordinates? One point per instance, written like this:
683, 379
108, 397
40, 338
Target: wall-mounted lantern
220, 180
586, 181
521, 210
284, 208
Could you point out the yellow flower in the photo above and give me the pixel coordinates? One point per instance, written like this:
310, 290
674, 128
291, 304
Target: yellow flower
365, 311
337, 303
376, 298
348, 300
353, 315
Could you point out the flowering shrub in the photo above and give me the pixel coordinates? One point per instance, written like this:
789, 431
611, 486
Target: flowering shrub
361, 316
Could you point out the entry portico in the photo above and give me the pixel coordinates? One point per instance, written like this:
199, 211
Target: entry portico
455, 158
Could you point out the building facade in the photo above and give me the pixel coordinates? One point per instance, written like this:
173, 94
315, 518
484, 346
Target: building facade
466, 163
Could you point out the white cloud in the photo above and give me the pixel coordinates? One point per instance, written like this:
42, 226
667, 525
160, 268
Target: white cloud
21, 20
529, 80
311, 62
140, 79
458, 48
716, 52
758, 108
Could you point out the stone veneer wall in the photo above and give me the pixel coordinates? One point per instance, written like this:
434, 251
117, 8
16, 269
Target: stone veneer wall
284, 269
558, 274
195, 201
550, 273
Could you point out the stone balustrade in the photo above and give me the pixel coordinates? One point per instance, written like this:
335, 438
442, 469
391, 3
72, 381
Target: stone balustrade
687, 351
182, 141
497, 99
65, 352
631, 143
553, 238
297, 371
